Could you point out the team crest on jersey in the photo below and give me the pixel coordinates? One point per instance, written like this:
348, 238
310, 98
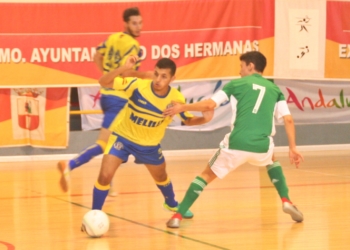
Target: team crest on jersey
118, 145
169, 105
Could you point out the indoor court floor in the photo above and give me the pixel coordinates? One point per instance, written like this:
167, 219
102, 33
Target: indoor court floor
242, 211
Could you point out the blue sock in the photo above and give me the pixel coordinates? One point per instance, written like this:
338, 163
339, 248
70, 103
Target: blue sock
166, 188
87, 154
99, 195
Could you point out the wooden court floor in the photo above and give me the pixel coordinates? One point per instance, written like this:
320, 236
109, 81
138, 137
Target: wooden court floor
241, 211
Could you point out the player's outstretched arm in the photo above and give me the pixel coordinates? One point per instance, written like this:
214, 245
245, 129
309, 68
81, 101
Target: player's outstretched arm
198, 120
295, 156
138, 74
176, 108
107, 79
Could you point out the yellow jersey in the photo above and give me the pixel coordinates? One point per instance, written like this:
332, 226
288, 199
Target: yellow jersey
143, 122
116, 49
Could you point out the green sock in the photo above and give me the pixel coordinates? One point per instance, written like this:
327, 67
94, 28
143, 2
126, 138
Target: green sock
193, 192
277, 178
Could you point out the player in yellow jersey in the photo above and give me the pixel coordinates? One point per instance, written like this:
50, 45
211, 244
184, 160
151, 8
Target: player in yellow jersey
142, 128
110, 54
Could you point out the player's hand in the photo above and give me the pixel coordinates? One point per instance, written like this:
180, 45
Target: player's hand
131, 61
208, 115
173, 109
295, 157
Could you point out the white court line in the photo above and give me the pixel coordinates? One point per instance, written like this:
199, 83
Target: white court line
107, 33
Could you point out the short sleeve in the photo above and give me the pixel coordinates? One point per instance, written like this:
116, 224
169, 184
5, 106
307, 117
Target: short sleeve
219, 97
281, 110
101, 48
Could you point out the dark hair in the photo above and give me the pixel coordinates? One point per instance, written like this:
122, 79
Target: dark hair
255, 57
130, 12
166, 63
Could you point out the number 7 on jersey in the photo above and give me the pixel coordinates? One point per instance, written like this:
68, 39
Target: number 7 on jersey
260, 97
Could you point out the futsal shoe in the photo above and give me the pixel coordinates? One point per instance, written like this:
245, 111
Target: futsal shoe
174, 221
112, 192
187, 215
65, 172
291, 209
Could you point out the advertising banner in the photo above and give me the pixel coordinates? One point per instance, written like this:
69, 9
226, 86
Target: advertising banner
56, 45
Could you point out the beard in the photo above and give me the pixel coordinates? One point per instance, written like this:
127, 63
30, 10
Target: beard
129, 31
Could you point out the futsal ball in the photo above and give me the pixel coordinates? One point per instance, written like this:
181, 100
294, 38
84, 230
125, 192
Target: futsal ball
95, 223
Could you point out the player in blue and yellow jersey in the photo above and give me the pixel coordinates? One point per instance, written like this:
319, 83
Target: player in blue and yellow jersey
254, 101
142, 128
113, 52
110, 54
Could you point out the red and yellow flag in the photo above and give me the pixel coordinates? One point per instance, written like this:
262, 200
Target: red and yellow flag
34, 116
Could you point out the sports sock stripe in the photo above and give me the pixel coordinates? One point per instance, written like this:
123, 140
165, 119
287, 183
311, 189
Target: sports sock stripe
199, 183
273, 165
213, 159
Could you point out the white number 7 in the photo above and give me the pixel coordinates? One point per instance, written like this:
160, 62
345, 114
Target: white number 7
260, 97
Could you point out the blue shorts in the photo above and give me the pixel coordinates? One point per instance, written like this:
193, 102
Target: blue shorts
122, 148
111, 106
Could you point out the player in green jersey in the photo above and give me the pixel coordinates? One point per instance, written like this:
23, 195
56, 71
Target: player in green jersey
255, 101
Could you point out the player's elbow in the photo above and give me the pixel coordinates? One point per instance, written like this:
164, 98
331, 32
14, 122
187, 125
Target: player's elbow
210, 105
288, 119
103, 82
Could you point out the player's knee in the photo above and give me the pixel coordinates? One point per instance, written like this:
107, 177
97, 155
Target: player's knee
104, 178
160, 176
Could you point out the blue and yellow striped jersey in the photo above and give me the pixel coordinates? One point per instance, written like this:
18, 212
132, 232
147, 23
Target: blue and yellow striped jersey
142, 121
116, 49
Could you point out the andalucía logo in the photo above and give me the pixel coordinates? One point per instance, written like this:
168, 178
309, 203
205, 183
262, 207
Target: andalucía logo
339, 103
28, 108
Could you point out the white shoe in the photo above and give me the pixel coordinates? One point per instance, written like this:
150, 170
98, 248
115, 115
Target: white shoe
112, 193
174, 221
291, 209
65, 175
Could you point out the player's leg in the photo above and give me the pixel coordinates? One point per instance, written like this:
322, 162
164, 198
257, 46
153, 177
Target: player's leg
196, 188
163, 182
112, 105
275, 172
110, 164
278, 179
152, 157
115, 154
85, 156
95, 149
221, 163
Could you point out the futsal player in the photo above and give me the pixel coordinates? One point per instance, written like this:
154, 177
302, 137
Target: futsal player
254, 101
142, 128
110, 55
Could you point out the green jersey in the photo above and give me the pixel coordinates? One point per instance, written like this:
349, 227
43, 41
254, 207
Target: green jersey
253, 99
